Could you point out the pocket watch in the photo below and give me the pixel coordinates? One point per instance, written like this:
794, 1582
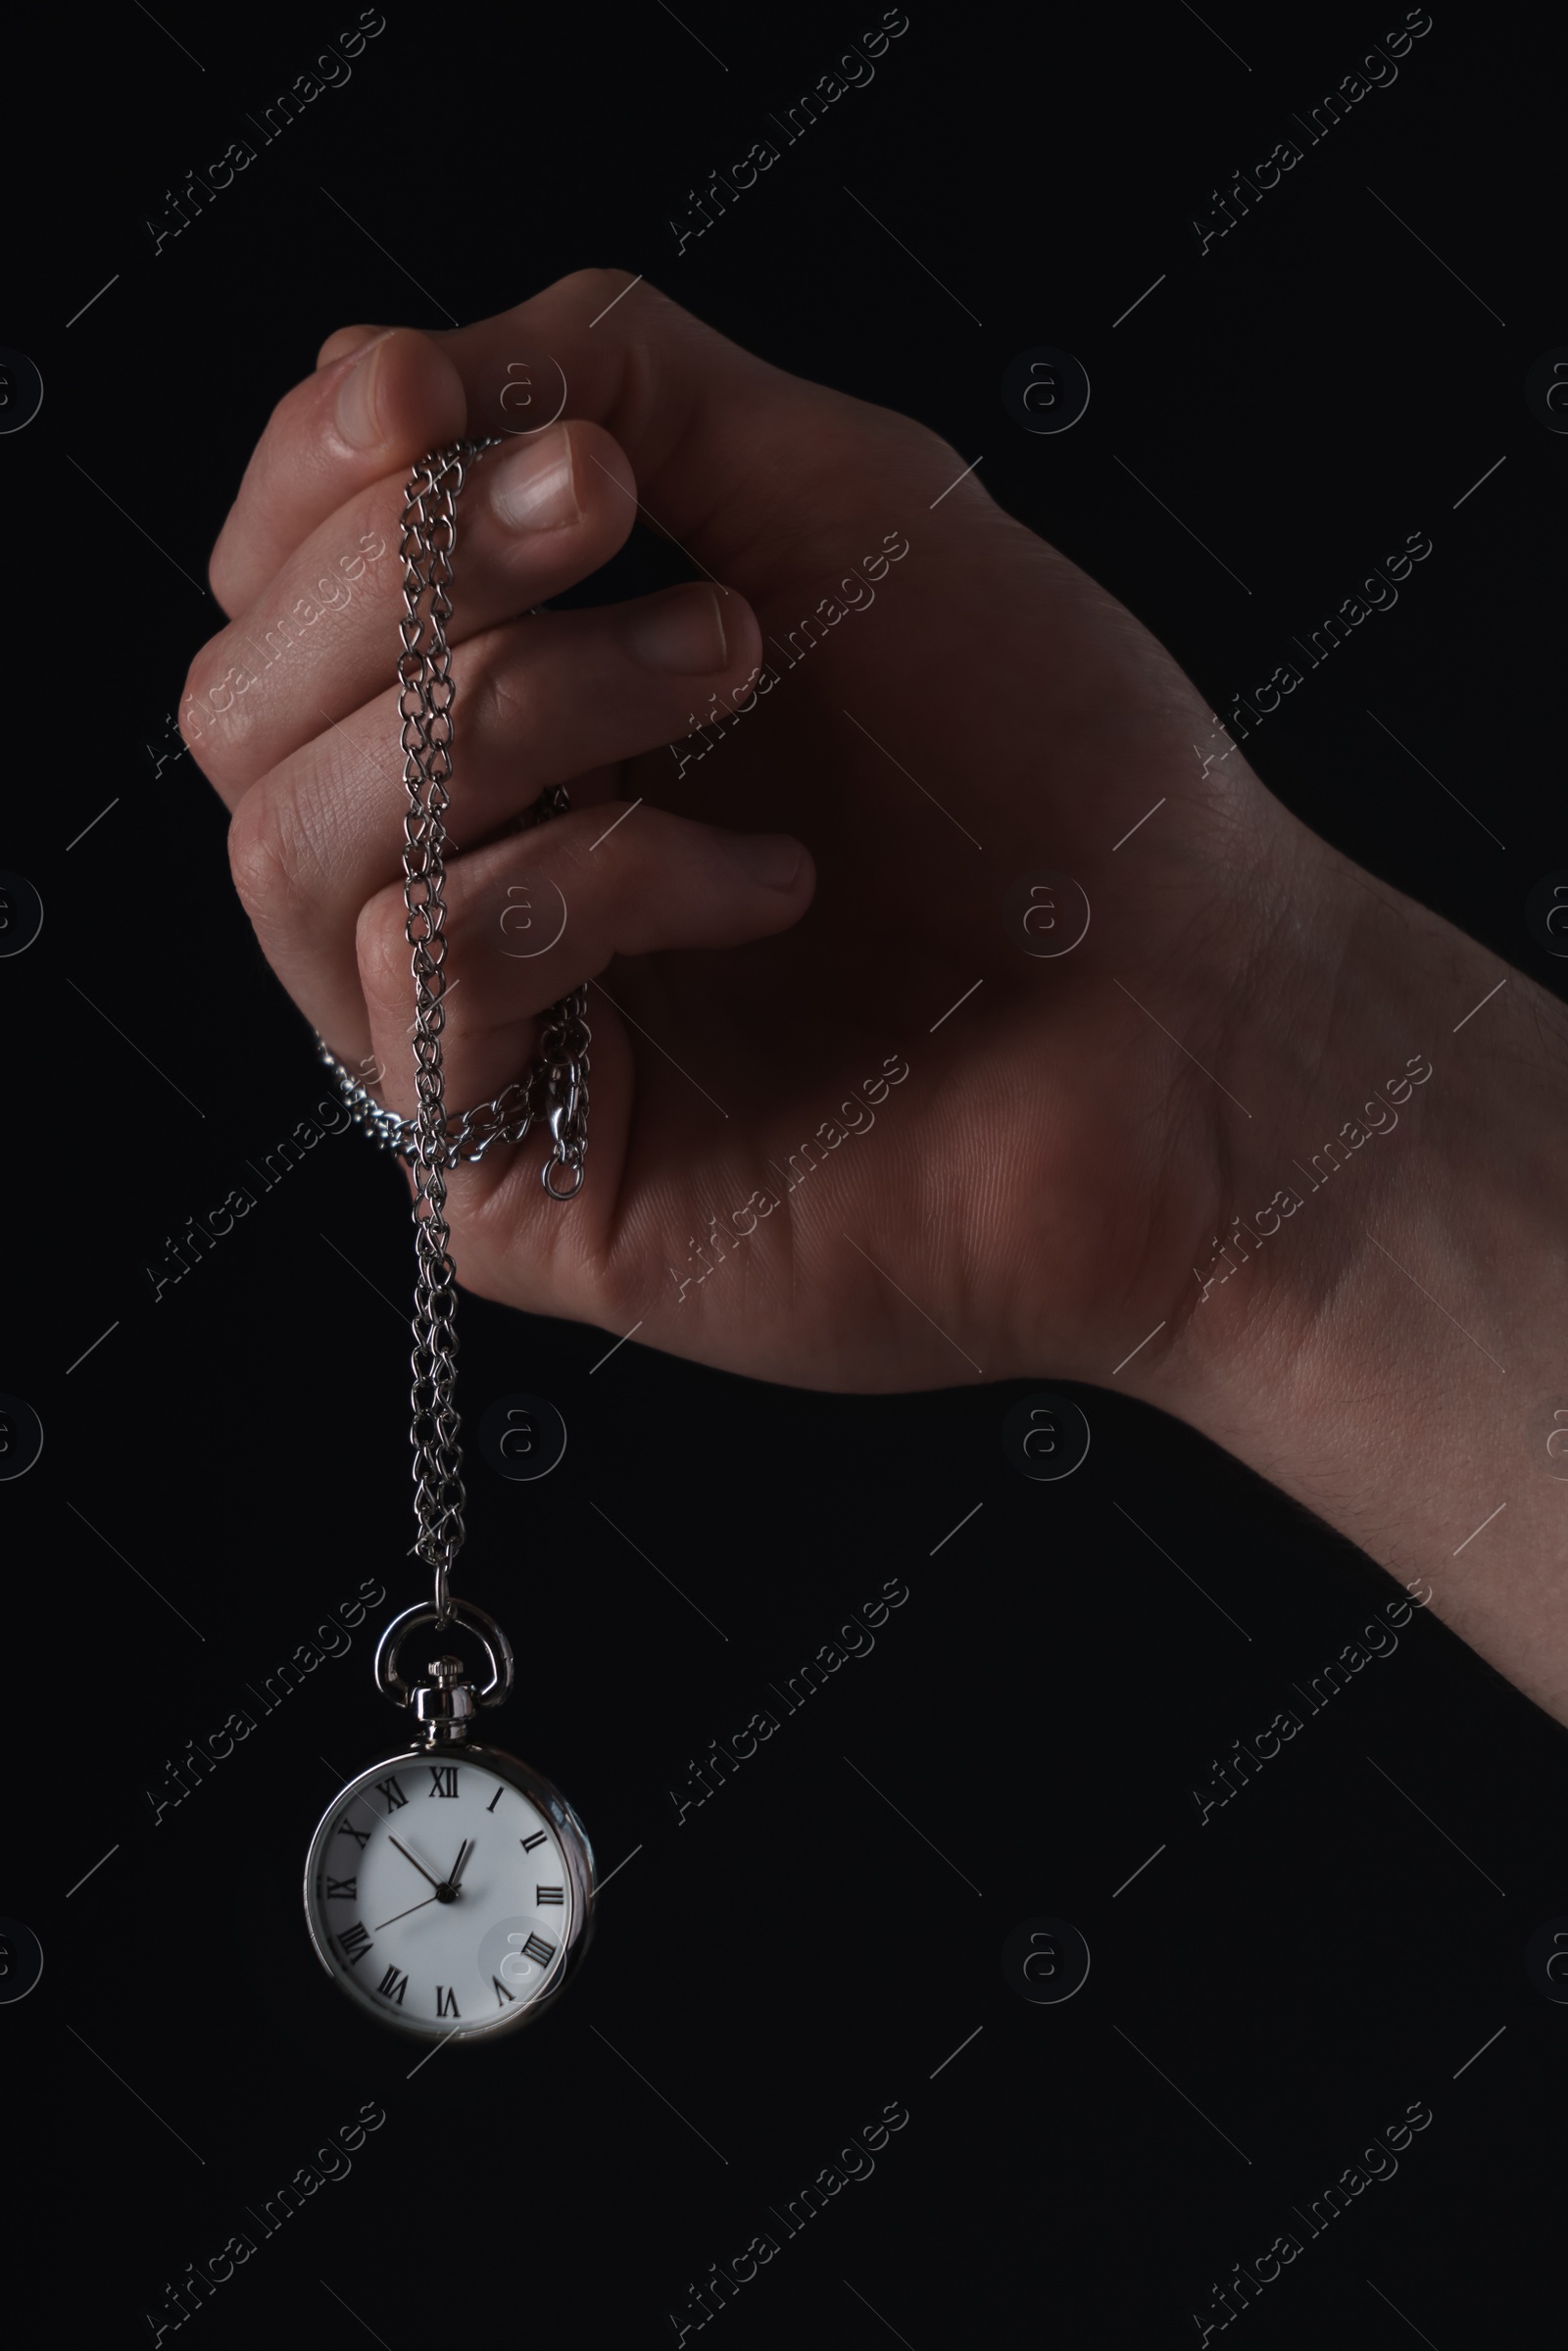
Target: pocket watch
449, 1889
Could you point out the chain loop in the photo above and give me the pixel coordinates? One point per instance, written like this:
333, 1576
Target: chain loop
554, 1090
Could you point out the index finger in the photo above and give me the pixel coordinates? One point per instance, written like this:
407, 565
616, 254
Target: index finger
369, 411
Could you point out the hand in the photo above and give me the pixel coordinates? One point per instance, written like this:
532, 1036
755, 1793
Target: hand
848, 1132
409, 1913
445, 1892
419, 1866
1030, 1176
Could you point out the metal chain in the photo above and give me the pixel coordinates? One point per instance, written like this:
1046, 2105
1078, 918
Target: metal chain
556, 1089
553, 1093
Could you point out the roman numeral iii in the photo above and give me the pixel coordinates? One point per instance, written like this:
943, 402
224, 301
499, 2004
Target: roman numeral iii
547, 1894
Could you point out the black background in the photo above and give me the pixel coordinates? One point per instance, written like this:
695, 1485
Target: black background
1278, 1984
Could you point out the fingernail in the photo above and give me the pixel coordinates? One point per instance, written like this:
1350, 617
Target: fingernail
532, 488
680, 633
772, 859
356, 414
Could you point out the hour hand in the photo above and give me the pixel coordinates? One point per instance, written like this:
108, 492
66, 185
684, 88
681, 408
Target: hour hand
459, 1865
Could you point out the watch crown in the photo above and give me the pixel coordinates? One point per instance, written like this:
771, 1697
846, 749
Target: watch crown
444, 1707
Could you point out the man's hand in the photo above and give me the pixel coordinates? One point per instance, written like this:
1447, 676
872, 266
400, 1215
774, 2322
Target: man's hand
789, 1143
849, 1130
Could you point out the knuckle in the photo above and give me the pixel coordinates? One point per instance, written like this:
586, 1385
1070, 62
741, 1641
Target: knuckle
495, 678
594, 282
224, 573
207, 693
584, 876
264, 861
381, 949
215, 714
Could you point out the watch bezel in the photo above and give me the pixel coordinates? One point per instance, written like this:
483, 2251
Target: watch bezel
548, 1800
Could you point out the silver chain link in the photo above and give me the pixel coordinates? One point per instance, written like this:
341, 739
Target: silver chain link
553, 1093
555, 1088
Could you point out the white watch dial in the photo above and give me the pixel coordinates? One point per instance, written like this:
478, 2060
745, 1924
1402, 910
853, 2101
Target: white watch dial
439, 1895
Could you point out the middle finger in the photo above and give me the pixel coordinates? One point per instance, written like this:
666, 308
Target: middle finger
555, 701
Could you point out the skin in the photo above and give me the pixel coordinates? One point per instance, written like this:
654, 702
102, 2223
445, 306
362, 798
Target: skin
1045, 1189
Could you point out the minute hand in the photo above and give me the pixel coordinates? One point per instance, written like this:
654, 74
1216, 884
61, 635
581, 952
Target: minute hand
418, 1865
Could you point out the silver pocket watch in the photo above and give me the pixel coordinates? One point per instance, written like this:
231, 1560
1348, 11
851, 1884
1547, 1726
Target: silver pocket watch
449, 1889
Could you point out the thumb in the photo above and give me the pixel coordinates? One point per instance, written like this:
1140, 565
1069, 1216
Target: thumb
753, 472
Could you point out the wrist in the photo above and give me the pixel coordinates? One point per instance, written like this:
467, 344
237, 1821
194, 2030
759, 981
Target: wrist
1380, 1325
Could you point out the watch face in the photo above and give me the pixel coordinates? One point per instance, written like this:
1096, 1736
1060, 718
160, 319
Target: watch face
446, 1891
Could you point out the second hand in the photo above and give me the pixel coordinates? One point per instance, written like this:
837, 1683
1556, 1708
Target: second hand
409, 1913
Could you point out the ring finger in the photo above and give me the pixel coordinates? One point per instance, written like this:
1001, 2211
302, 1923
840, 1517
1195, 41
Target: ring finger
591, 888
